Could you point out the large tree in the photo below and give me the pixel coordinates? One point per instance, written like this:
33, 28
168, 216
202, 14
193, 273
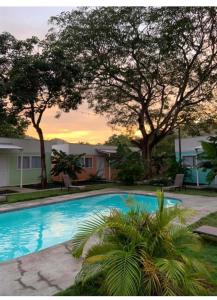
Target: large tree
41, 79
149, 68
11, 124
115, 140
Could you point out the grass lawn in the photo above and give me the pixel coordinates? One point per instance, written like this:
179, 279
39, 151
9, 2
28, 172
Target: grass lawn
207, 254
18, 197
56, 192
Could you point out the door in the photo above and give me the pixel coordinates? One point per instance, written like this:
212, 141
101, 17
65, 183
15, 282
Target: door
100, 166
3, 170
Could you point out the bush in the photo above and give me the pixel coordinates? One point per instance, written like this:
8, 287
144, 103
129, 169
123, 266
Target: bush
160, 181
174, 168
129, 165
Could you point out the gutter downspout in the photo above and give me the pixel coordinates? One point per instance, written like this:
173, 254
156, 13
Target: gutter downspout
109, 168
21, 169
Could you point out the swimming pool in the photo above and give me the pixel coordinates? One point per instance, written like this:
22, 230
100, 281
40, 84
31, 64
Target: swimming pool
30, 230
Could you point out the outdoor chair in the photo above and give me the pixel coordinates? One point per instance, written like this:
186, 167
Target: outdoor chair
178, 183
206, 230
68, 185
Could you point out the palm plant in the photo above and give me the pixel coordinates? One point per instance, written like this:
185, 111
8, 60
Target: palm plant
142, 254
66, 164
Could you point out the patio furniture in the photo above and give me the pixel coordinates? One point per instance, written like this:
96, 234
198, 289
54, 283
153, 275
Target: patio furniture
68, 185
178, 183
207, 230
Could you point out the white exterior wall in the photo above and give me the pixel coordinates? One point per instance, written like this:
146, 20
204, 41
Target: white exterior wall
62, 147
189, 144
84, 148
28, 145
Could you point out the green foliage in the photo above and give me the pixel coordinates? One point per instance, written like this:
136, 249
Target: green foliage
149, 68
11, 124
40, 78
66, 163
129, 164
174, 167
142, 254
209, 158
116, 139
89, 288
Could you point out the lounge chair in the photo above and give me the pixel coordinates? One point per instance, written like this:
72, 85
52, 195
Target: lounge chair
206, 230
68, 185
178, 183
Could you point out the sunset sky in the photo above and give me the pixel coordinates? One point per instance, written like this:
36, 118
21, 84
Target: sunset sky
81, 125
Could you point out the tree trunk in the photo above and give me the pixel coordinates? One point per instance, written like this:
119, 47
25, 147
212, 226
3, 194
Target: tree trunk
146, 149
43, 159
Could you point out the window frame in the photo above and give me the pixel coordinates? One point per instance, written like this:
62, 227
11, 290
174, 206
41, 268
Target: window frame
30, 162
193, 161
19, 158
39, 160
91, 159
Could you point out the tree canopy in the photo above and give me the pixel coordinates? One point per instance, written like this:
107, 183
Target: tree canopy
11, 124
41, 78
116, 139
146, 67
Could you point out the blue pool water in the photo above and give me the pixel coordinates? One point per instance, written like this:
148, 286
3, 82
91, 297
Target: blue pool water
33, 229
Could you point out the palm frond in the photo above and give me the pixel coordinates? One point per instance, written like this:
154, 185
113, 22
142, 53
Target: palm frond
101, 248
172, 269
183, 239
88, 230
89, 272
123, 274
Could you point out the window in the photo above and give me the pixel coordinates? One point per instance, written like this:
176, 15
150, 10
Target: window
88, 162
26, 162
36, 162
188, 161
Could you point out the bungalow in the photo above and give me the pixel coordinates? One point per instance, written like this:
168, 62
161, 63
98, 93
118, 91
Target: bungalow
95, 160
20, 161
190, 148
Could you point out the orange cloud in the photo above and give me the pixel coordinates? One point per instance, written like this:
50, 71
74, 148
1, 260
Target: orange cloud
76, 126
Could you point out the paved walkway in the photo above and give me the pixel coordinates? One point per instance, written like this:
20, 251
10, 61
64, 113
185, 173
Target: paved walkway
54, 269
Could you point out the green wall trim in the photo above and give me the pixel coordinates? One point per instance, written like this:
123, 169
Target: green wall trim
192, 177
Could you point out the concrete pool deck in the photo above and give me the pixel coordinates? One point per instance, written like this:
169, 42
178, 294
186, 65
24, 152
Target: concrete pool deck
54, 269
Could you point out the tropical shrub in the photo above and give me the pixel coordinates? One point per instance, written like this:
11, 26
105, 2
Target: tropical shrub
142, 254
161, 181
66, 164
174, 167
209, 158
129, 164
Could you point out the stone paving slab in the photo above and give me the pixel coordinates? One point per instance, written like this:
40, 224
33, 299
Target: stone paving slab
54, 269
43, 273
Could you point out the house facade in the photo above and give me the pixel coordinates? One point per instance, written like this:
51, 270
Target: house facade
20, 161
190, 148
95, 160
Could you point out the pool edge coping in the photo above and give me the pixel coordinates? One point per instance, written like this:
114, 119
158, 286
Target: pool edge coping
66, 198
